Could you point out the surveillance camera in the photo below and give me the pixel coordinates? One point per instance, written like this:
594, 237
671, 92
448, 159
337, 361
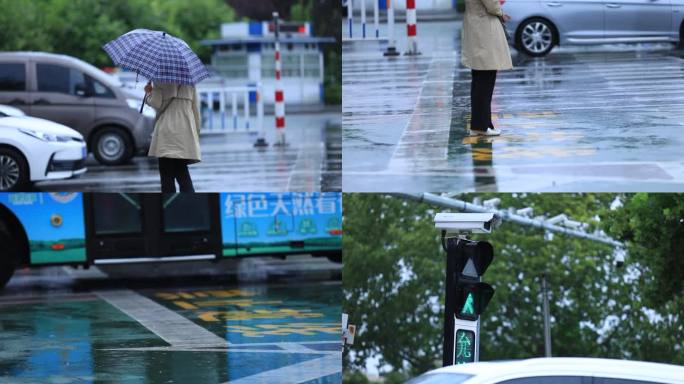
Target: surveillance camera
467, 222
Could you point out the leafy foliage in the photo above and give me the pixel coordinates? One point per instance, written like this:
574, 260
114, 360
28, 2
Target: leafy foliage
80, 27
394, 272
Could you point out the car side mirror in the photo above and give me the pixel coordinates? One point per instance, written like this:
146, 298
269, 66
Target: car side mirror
81, 90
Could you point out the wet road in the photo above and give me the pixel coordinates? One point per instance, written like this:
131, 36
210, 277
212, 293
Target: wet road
230, 162
81, 328
603, 118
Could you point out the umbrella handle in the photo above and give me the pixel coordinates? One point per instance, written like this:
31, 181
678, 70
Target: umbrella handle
143, 103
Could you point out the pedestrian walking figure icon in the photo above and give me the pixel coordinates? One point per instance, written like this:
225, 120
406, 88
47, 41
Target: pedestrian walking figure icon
468, 308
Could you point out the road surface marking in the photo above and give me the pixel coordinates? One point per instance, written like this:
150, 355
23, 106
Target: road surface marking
165, 323
297, 373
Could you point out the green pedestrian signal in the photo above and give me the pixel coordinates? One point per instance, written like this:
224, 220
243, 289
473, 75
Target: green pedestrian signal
468, 307
472, 298
465, 347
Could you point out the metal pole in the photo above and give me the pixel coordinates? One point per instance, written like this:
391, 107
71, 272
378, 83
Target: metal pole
391, 42
547, 326
350, 11
363, 19
261, 139
448, 341
376, 22
506, 215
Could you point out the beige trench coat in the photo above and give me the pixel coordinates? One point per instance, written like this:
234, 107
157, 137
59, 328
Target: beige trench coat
177, 125
484, 45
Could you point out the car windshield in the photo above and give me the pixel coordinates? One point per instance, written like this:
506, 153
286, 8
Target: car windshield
440, 378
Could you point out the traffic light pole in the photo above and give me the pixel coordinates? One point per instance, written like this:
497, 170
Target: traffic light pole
450, 246
547, 326
463, 301
509, 215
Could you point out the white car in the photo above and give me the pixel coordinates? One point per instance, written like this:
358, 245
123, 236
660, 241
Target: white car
33, 149
556, 370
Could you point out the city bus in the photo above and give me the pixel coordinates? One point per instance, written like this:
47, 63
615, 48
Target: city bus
84, 229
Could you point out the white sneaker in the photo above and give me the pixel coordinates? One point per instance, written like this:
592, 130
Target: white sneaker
488, 132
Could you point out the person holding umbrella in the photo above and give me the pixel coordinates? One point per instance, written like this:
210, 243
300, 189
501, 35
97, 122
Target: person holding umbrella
175, 140
169, 64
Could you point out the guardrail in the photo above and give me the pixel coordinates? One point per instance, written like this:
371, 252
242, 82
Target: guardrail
389, 7
231, 108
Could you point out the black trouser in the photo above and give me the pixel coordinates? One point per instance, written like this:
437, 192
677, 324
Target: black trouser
172, 170
481, 90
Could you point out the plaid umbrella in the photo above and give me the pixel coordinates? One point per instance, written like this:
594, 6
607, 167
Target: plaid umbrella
158, 56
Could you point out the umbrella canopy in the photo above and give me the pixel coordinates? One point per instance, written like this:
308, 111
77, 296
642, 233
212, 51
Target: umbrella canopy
157, 56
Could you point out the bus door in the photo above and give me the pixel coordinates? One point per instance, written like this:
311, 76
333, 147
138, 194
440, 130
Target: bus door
127, 227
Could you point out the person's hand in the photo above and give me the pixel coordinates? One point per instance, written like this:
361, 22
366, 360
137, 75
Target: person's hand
148, 88
505, 17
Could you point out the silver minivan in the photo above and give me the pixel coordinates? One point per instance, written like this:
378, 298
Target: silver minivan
536, 26
72, 92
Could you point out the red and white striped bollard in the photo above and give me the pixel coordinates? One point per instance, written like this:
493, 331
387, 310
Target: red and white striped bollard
279, 94
411, 28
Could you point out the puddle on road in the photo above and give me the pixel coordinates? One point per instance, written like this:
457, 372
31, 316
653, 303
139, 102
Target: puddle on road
90, 340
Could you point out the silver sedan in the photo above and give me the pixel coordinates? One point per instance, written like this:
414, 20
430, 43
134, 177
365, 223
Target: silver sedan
536, 26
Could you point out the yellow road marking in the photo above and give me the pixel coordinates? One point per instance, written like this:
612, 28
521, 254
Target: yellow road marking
257, 314
304, 329
184, 305
212, 293
239, 302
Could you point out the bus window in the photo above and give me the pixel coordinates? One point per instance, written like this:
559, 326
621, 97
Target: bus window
186, 212
117, 213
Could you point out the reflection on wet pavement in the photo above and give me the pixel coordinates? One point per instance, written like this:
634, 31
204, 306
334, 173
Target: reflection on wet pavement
579, 119
208, 334
229, 161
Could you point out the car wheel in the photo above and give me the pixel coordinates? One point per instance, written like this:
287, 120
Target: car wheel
112, 146
14, 171
536, 37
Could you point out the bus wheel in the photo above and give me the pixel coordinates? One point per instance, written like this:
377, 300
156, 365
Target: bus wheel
6, 271
335, 258
6, 258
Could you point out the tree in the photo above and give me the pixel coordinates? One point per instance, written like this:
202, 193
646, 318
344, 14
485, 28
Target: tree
652, 226
81, 27
330, 10
393, 287
262, 10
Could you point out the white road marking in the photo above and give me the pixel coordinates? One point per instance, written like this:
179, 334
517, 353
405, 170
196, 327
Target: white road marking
302, 350
296, 373
165, 323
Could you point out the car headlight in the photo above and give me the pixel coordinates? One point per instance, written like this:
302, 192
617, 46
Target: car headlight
147, 110
40, 135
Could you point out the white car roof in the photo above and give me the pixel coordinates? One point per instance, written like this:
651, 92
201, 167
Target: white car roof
492, 372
